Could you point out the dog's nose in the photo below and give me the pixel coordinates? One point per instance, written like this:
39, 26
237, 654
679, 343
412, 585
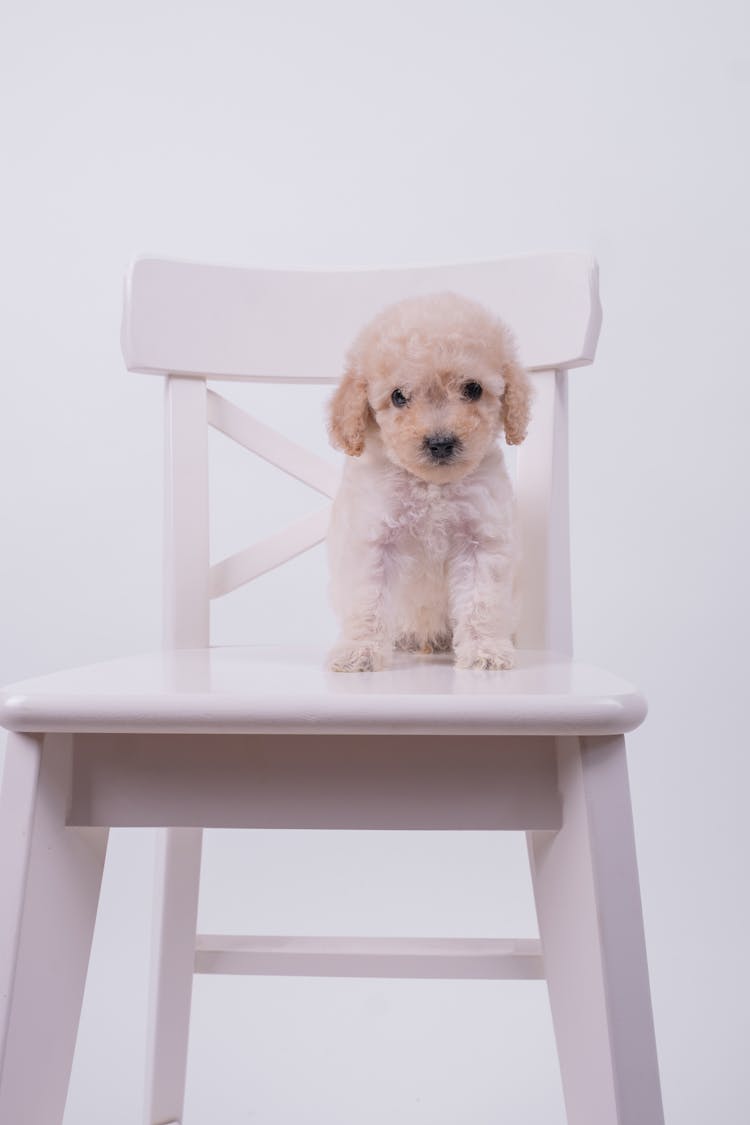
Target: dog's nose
441, 446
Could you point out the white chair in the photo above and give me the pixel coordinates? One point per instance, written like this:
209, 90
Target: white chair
257, 737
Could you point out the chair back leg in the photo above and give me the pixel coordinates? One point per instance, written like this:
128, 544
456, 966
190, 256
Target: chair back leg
589, 910
49, 893
177, 879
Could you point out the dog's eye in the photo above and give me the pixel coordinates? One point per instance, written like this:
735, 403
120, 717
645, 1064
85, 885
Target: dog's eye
398, 398
471, 391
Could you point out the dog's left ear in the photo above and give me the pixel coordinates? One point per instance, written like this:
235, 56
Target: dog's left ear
515, 404
349, 413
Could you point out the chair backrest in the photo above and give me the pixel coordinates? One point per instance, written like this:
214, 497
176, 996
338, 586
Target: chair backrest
195, 323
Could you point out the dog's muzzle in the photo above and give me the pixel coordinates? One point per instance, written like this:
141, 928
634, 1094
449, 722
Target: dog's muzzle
442, 447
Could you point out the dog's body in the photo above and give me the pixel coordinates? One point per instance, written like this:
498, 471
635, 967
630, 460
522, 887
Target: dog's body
422, 541
415, 564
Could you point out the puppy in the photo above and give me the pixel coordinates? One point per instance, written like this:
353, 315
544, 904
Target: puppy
422, 541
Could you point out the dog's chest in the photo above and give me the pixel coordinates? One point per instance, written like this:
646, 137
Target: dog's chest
431, 519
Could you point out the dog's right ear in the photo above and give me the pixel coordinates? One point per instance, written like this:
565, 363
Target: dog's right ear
349, 413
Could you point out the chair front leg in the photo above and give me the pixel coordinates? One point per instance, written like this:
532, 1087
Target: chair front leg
589, 910
49, 893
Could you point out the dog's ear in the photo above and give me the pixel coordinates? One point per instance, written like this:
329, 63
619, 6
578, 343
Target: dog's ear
515, 404
349, 413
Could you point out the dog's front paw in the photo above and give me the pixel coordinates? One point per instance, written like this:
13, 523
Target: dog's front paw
353, 657
489, 656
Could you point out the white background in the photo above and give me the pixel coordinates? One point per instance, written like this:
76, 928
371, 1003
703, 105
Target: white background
362, 134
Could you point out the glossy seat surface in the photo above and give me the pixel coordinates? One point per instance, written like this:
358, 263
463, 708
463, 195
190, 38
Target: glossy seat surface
263, 689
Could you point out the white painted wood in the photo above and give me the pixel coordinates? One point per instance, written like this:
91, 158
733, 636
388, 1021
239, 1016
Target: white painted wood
405, 958
186, 626
267, 737
267, 689
186, 546
296, 325
588, 904
235, 570
272, 446
17, 803
316, 781
542, 498
51, 885
176, 885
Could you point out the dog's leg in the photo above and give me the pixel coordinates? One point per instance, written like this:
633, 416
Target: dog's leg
482, 607
364, 638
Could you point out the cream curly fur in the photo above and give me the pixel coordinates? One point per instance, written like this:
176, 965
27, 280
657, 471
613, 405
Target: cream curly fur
423, 552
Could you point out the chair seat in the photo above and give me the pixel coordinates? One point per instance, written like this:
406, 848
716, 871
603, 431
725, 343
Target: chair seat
272, 689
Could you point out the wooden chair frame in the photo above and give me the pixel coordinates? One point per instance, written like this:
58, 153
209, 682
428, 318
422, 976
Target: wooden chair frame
169, 749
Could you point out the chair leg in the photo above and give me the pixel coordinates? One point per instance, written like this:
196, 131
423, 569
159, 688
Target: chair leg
589, 910
49, 892
178, 865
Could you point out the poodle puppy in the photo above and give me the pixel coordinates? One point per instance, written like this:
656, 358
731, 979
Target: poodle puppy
422, 542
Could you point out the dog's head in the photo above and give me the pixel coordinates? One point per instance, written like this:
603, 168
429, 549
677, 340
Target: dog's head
437, 377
